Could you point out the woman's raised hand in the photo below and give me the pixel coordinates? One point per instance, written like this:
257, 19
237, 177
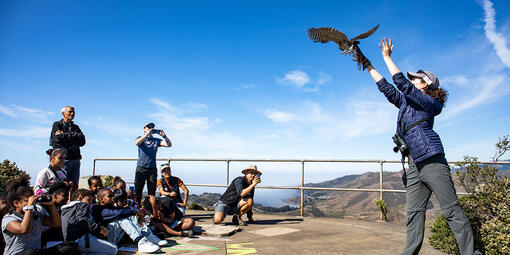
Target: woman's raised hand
386, 47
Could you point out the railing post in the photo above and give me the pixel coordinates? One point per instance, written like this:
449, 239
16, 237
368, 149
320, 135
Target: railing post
302, 185
381, 186
228, 173
94, 168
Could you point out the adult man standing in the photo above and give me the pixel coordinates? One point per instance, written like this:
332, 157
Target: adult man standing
146, 166
238, 199
67, 136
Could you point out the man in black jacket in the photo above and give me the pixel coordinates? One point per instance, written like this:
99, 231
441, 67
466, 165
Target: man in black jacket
238, 199
68, 136
77, 225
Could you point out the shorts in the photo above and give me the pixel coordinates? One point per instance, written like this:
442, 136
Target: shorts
224, 208
72, 168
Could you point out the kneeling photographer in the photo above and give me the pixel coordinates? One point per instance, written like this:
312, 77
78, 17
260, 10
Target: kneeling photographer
238, 198
420, 99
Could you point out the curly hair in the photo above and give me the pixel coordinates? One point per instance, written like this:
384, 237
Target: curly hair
119, 194
18, 189
82, 193
94, 178
439, 94
58, 187
117, 180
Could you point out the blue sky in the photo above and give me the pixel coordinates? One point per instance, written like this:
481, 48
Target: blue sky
240, 79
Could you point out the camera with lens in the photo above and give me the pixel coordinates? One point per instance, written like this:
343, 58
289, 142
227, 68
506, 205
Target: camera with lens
44, 198
400, 144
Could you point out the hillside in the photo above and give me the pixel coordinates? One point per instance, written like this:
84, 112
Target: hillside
358, 205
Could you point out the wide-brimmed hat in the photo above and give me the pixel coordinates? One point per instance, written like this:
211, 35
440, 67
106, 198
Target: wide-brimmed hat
149, 125
251, 168
429, 77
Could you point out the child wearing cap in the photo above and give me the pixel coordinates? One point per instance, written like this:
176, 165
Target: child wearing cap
169, 186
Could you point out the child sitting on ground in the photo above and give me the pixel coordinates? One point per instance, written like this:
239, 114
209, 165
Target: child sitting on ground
169, 186
95, 184
58, 194
119, 221
119, 184
77, 225
168, 220
23, 225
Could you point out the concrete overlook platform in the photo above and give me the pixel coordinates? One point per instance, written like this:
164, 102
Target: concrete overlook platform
281, 234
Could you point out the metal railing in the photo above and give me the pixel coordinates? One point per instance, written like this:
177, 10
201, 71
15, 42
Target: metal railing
302, 187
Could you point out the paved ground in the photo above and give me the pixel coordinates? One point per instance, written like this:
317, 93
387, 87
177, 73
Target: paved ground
277, 234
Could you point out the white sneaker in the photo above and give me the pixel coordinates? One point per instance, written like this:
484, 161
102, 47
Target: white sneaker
155, 240
146, 246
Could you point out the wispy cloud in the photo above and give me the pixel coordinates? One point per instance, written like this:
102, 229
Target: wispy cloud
245, 86
279, 116
487, 89
295, 78
360, 117
174, 118
301, 80
497, 39
29, 132
488, 83
193, 130
323, 78
6, 111
26, 113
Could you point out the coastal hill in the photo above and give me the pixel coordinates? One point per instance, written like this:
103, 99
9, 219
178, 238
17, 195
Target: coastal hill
346, 204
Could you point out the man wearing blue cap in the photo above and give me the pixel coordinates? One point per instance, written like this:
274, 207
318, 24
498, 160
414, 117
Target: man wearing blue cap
146, 168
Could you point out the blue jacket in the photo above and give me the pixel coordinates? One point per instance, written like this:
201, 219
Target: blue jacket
423, 142
103, 214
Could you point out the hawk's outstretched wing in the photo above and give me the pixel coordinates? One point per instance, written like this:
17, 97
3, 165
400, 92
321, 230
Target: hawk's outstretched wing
326, 34
365, 35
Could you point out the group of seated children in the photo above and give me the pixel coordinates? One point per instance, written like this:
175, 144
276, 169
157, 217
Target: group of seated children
95, 220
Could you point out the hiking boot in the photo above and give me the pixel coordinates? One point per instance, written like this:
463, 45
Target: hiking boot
187, 233
146, 246
238, 221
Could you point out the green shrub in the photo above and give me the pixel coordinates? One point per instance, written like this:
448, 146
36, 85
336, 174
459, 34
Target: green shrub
487, 206
194, 206
383, 207
442, 236
8, 172
108, 181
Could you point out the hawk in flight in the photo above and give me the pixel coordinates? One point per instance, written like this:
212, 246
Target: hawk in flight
326, 34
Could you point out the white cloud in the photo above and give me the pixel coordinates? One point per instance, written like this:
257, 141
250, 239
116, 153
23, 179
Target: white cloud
302, 80
359, 118
193, 132
279, 116
245, 86
7, 111
497, 39
296, 78
30, 114
460, 80
29, 132
486, 89
323, 78
196, 106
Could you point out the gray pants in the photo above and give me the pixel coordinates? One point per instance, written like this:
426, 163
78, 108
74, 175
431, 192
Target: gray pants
433, 175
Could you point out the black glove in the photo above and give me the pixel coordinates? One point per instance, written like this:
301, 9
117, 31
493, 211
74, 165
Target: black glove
360, 59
